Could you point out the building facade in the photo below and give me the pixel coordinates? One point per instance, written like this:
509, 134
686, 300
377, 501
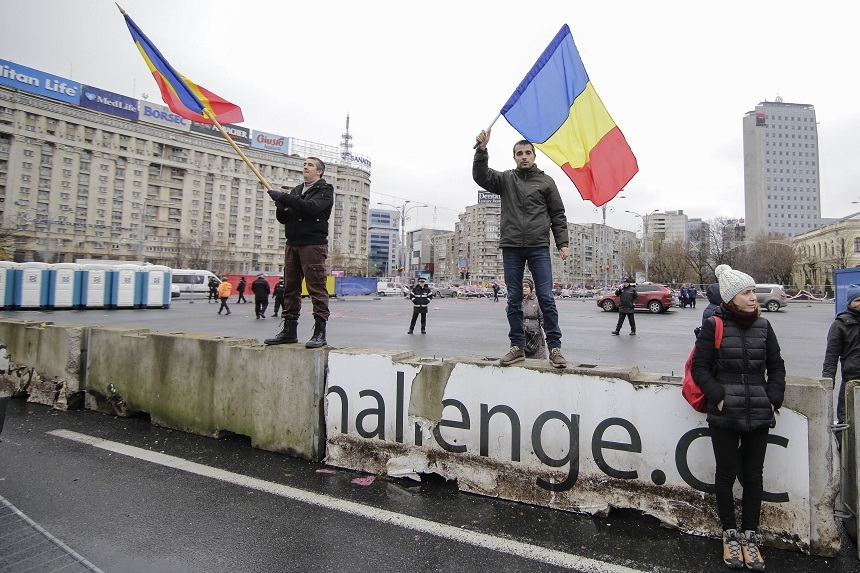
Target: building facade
670, 226
596, 255
128, 180
824, 250
384, 234
421, 258
781, 169
478, 230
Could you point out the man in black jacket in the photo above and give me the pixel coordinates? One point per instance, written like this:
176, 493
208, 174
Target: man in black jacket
240, 288
261, 290
420, 297
843, 342
278, 295
627, 296
305, 212
531, 208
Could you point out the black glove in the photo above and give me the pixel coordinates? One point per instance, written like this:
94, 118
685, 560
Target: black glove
275, 195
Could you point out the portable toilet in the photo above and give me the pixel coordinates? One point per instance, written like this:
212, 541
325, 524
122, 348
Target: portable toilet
32, 281
154, 287
7, 283
64, 291
124, 286
96, 285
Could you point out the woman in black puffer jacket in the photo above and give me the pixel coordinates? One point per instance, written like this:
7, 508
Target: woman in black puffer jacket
744, 382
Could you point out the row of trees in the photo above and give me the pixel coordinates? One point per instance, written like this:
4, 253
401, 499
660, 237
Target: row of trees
769, 259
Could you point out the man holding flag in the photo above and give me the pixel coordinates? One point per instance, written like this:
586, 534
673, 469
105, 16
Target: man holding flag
531, 207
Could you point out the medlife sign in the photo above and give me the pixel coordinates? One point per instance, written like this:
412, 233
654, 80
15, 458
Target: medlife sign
109, 102
40, 83
574, 441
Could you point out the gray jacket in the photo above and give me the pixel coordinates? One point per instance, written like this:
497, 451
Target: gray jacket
531, 204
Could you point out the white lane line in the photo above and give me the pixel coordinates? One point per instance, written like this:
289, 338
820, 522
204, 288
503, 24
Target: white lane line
501, 545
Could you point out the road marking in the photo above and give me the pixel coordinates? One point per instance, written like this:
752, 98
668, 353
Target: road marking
501, 545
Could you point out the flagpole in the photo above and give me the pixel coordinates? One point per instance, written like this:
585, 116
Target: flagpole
229, 139
492, 123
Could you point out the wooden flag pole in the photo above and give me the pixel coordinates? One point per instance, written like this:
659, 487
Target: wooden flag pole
229, 139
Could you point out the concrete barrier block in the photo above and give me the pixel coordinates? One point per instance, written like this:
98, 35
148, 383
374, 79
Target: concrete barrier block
213, 386
44, 361
584, 439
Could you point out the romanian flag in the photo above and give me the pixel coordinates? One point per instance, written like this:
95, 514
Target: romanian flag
556, 108
182, 96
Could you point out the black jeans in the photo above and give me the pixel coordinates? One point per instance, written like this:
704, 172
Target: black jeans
224, 305
629, 316
415, 314
279, 304
260, 306
241, 298
746, 462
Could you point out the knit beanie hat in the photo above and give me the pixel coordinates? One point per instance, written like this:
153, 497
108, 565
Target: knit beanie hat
732, 282
852, 292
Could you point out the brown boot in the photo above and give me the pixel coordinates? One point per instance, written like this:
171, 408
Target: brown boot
750, 544
514, 355
732, 549
556, 359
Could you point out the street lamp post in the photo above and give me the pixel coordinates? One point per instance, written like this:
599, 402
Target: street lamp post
401, 251
644, 235
606, 206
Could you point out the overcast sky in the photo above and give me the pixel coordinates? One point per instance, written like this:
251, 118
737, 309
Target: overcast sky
419, 80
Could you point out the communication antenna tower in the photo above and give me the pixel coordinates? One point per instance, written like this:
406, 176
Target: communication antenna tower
346, 143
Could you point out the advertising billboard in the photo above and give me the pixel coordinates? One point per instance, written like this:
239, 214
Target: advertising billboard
238, 133
162, 116
270, 142
487, 197
109, 102
40, 83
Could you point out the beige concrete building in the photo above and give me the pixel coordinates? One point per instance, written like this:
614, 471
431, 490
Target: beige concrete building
77, 183
596, 255
822, 251
670, 226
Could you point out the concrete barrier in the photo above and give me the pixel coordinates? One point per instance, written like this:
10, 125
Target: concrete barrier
212, 385
586, 439
43, 361
850, 460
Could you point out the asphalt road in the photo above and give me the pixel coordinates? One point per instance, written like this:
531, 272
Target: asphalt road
125, 508
477, 327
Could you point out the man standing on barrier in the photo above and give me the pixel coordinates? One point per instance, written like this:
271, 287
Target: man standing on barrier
531, 208
304, 211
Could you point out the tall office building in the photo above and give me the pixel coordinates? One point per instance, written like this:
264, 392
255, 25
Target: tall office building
384, 240
781, 174
670, 227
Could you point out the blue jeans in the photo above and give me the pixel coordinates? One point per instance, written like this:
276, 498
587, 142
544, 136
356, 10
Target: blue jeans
514, 260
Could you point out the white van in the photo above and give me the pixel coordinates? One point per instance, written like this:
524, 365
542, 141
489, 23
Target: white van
191, 280
388, 289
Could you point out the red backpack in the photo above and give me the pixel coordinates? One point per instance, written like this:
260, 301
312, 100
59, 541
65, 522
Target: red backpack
690, 390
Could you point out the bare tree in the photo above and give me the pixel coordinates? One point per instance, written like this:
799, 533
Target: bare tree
771, 259
669, 263
699, 254
726, 243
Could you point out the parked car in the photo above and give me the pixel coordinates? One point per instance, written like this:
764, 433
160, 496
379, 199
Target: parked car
652, 297
443, 291
771, 297
565, 293
175, 291
582, 293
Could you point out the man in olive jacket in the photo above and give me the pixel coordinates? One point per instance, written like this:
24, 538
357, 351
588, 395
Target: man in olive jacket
531, 207
304, 212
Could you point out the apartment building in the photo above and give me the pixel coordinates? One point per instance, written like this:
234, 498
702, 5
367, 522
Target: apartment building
88, 174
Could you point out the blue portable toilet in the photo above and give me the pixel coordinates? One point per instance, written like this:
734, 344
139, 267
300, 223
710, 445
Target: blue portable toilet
125, 287
154, 286
96, 285
32, 282
64, 291
7, 283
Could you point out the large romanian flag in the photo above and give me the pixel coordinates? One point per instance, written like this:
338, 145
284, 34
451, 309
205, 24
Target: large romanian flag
556, 108
182, 96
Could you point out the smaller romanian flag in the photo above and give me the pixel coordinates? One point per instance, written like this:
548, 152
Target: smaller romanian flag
556, 108
182, 96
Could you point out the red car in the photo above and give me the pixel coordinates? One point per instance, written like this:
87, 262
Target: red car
653, 297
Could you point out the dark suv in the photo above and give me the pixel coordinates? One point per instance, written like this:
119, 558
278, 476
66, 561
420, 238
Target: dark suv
653, 297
